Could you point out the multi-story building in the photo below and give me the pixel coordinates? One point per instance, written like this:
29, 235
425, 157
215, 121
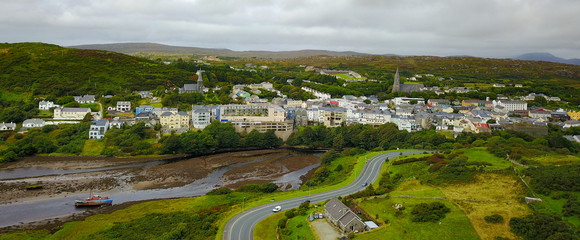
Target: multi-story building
178, 120
63, 113
98, 129
511, 106
200, 118
123, 106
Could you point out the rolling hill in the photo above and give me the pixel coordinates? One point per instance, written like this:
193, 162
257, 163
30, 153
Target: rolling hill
44, 69
141, 48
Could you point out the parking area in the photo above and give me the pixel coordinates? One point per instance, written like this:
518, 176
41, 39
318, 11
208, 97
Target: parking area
323, 230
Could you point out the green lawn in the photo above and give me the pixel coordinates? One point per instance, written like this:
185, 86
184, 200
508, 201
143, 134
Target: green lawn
93, 106
554, 159
344, 76
44, 114
455, 225
550, 205
93, 147
482, 155
266, 229
300, 228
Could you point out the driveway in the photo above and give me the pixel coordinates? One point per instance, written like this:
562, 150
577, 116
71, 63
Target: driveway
323, 230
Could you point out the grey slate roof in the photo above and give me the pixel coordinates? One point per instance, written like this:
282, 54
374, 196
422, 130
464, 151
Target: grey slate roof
166, 114
75, 109
100, 123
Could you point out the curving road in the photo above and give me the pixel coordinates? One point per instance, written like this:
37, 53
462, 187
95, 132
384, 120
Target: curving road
241, 226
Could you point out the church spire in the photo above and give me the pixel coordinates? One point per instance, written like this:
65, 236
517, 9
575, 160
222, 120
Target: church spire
397, 83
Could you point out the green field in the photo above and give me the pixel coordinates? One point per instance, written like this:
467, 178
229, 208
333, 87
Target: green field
266, 229
93, 147
344, 76
101, 222
482, 155
554, 159
550, 205
455, 225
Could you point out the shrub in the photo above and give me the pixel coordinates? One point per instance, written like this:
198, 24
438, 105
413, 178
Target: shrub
429, 212
220, 191
541, 226
495, 218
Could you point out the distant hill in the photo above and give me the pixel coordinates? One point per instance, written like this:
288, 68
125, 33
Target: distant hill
547, 57
50, 69
140, 48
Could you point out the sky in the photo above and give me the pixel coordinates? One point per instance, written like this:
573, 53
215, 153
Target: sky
483, 28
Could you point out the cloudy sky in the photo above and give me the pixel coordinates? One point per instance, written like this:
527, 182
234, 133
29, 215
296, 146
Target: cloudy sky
485, 28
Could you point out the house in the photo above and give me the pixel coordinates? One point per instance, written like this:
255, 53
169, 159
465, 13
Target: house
85, 99
123, 106
98, 129
178, 120
116, 122
435, 102
143, 108
147, 117
64, 113
342, 217
498, 85
46, 105
7, 126
33, 123
145, 94
159, 111
540, 114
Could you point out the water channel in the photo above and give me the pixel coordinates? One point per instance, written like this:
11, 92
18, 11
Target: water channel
62, 206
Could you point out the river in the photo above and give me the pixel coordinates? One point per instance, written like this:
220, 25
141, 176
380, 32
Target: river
61, 205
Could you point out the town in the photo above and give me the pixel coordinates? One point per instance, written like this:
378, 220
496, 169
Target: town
282, 115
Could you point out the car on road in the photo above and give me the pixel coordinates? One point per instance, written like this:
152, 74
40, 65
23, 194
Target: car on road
365, 184
276, 209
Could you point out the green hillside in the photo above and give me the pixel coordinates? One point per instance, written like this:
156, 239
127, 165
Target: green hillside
45, 69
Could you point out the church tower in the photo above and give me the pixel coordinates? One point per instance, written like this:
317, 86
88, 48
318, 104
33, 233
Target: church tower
397, 84
200, 81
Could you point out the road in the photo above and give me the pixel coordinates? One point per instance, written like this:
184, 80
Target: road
241, 226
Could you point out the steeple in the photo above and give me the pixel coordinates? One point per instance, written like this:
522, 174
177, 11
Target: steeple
200, 81
397, 83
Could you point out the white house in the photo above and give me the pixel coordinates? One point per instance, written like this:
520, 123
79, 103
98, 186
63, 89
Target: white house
46, 105
85, 99
7, 126
123, 106
98, 129
33, 123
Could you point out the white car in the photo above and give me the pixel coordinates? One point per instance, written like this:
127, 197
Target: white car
277, 209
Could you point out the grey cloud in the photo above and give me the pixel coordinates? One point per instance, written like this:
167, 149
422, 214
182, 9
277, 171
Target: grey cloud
494, 28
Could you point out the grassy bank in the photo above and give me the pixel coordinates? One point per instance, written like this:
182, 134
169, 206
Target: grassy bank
394, 225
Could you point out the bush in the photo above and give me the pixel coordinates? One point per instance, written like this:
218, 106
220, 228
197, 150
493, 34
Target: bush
429, 212
495, 218
220, 191
541, 226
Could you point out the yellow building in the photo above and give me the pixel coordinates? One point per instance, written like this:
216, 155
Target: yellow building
574, 115
179, 120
